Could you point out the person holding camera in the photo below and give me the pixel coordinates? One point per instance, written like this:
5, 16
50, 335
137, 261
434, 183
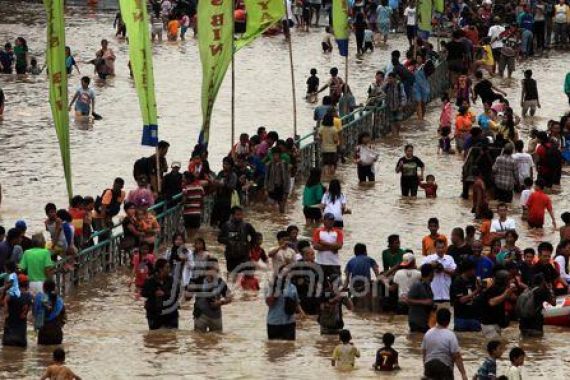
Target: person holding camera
444, 267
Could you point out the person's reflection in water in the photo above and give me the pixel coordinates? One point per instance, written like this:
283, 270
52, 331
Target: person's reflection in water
162, 341
277, 350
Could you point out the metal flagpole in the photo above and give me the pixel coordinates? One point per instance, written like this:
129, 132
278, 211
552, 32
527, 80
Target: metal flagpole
292, 71
233, 122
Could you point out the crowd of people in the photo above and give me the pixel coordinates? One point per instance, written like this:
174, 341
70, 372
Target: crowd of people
480, 273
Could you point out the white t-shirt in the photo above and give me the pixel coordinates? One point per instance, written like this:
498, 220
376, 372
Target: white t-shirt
335, 207
328, 257
524, 163
563, 268
494, 33
410, 14
514, 373
282, 257
404, 278
524, 197
498, 226
441, 281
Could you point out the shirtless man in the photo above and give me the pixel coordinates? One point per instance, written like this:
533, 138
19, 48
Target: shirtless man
58, 370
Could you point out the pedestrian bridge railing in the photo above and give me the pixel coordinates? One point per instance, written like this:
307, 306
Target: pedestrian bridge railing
107, 253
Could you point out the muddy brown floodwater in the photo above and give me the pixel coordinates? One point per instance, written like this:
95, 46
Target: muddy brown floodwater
106, 336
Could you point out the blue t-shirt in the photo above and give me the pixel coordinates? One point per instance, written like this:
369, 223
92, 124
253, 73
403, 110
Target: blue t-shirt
394, 4
483, 267
69, 63
14, 290
483, 121
83, 103
360, 266
276, 314
320, 112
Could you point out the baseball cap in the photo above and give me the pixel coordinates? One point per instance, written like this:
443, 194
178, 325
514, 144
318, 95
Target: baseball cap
328, 216
176, 164
21, 225
407, 259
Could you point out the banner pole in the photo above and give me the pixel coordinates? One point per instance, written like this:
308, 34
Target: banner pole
233, 122
292, 71
158, 172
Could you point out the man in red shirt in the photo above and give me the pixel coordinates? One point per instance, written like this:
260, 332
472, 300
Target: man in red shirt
537, 203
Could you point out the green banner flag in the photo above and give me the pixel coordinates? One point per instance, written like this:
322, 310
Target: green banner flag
261, 15
340, 25
135, 16
424, 15
215, 43
439, 5
58, 83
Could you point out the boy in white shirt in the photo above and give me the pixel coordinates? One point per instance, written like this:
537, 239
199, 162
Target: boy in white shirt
410, 13
525, 194
516, 357
282, 254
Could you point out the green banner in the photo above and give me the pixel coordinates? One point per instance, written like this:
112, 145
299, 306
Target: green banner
261, 15
439, 5
341, 28
135, 16
425, 15
215, 43
58, 83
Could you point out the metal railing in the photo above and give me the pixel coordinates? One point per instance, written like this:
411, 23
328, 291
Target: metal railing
107, 254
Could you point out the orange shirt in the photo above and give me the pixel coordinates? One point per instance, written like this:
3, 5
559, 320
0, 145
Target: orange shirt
485, 229
463, 125
173, 26
428, 243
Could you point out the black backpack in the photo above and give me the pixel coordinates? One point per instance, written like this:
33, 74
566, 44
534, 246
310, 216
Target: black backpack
142, 166
113, 208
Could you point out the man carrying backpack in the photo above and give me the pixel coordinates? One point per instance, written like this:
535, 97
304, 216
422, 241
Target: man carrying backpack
107, 206
530, 304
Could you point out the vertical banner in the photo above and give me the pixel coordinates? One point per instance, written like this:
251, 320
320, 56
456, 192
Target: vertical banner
135, 16
58, 83
215, 41
341, 28
425, 15
439, 5
261, 15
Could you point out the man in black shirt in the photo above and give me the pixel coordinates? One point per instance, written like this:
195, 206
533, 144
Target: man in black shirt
456, 53
307, 277
493, 317
485, 89
464, 290
458, 249
547, 269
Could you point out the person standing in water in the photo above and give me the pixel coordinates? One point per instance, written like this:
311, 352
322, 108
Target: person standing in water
84, 99
107, 54
58, 370
408, 165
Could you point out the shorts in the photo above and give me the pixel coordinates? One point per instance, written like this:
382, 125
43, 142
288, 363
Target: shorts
436, 369
535, 223
326, 46
411, 31
504, 195
192, 221
506, 62
329, 158
496, 54
465, 325
529, 104
316, 7
424, 34
281, 332
394, 116
20, 69
369, 45
365, 173
204, 324
312, 213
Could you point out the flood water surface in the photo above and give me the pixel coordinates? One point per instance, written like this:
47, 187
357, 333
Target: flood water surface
107, 335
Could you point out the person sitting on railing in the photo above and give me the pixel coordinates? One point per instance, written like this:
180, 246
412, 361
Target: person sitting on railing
107, 206
143, 261
131, 234
172, 184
